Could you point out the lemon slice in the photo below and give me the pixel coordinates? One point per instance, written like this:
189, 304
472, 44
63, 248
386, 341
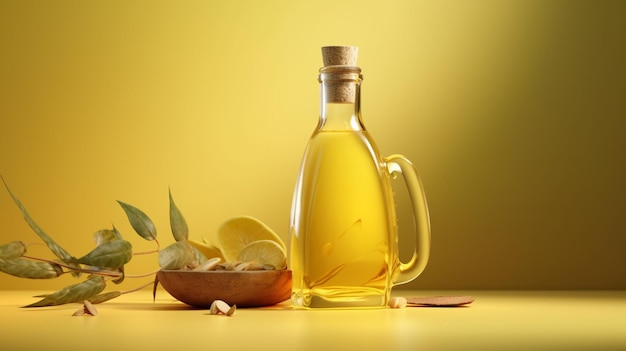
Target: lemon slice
234, 234
265, 252
207, 249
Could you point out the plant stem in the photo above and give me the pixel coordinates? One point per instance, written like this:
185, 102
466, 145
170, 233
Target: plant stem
146, 252
81, 270
151, 251
141, 275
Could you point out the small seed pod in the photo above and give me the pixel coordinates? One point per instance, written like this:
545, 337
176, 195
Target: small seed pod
209, 264
87, 309
397, 302
221, 307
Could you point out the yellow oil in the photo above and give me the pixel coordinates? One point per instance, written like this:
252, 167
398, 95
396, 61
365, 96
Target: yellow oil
343, 224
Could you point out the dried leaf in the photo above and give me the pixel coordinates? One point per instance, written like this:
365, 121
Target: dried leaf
177, 222
23, 268
112, 254
177, 256
142, 224
52, 245
13, 249
74, 293
100, 298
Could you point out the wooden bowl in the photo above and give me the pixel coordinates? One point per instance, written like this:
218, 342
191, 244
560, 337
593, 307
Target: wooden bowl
241, 288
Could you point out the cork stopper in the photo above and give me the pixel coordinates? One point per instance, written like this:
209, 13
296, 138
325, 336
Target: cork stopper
340, 55
340, 63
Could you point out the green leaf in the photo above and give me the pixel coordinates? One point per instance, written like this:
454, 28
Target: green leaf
52, 245
112, 254
199, 257
13, 249
142, 224
100, 298
106, 235
178, 255
177, 222
73, 293
117, 233
23, 268
121, 278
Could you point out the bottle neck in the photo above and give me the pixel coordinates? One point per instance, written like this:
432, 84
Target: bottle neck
340, 90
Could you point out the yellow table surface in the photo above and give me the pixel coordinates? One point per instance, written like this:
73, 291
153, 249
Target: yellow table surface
497, 320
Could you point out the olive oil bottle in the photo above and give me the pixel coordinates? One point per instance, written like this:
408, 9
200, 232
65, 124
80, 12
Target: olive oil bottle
343, 233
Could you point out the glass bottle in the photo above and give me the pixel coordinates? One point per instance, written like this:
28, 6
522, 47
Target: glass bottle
343, 232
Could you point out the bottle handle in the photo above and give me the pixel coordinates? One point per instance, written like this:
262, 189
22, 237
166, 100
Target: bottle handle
410, 270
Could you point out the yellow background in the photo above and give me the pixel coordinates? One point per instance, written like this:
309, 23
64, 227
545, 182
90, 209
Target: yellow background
512, 111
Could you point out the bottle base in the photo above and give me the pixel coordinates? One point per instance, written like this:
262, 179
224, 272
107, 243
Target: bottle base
344, 298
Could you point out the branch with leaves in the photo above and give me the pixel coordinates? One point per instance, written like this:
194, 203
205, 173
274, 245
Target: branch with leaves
104, 263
